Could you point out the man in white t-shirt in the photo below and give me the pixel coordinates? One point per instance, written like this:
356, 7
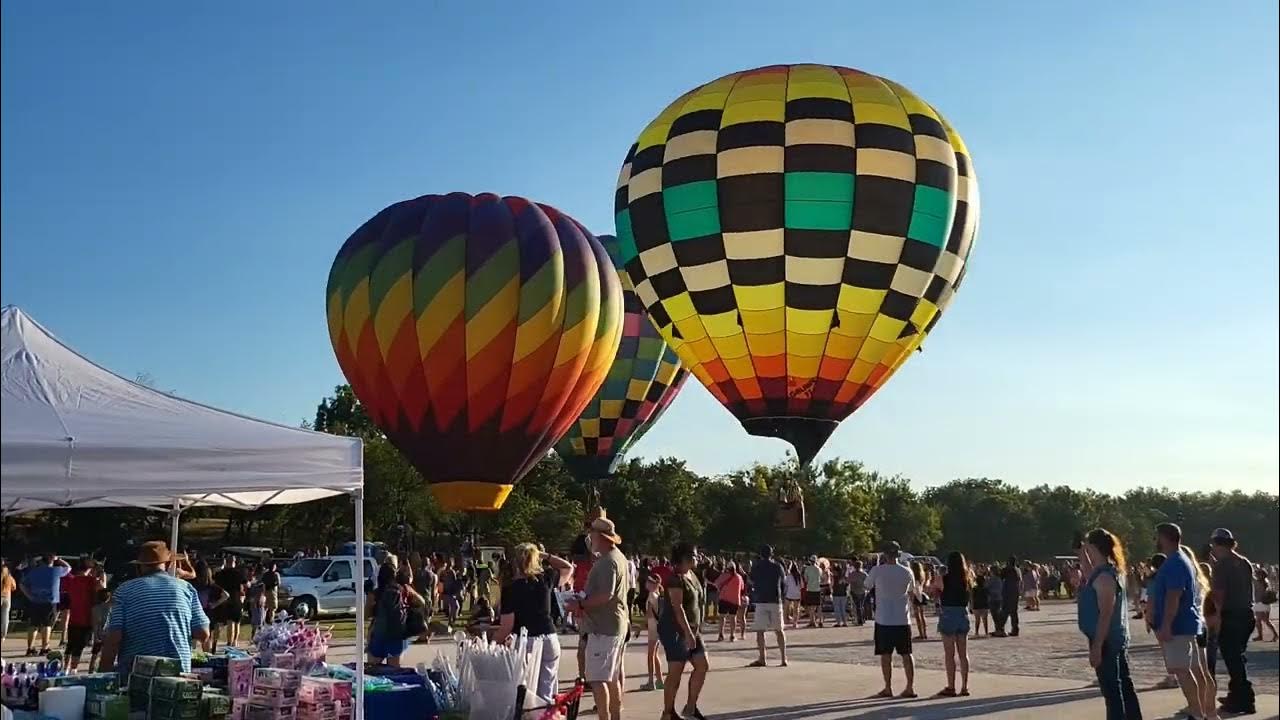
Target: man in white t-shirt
894, 587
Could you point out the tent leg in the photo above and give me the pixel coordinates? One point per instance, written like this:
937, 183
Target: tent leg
358, 497
174, 516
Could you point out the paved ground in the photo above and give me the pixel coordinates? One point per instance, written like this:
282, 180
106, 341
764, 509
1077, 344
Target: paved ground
833, 671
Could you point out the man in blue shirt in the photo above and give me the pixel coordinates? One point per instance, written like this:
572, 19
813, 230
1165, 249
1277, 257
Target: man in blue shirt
153, 614
1175, 602
766, 592
42, 584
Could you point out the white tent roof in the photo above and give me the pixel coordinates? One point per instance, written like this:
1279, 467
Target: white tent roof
73, 434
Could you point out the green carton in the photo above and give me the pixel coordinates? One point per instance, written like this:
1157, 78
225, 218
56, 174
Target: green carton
175, 688
103, 706
214, 706
173, 709
156, 666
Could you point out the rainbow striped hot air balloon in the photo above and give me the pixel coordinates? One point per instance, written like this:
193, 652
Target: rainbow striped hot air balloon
642, 382
474, 330
794, 232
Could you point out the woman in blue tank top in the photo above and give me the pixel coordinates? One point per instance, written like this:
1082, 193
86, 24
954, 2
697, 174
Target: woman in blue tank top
1103, 615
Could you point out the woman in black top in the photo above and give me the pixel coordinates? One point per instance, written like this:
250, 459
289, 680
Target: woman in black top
981, 605
953, 623
526, 603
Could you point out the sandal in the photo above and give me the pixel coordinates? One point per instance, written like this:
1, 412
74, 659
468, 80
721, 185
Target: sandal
757, 663
886, 693
964, 693
947, 692
908, 695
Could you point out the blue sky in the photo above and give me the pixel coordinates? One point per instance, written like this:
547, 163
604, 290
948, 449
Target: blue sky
177, 179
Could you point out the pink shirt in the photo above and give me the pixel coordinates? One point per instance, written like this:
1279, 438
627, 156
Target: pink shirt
731, 586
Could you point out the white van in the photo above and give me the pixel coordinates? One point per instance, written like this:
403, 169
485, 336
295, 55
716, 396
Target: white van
312, 587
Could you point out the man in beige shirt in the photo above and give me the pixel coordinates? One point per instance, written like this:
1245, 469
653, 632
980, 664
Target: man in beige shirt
605, 609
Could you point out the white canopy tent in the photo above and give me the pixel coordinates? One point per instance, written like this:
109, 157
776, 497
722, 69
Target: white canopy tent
73, 434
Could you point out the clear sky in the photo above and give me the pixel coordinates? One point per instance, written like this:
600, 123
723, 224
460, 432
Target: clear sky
177, 178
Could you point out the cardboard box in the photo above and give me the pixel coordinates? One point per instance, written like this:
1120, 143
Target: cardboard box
317, 711
262, 712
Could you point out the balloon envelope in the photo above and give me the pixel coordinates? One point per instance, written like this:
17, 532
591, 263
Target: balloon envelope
474, 330
795, 232
642, 382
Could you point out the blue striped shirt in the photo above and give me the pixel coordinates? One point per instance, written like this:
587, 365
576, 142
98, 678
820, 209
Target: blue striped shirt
156, 614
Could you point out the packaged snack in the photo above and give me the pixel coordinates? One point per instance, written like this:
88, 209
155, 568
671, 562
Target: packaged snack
263, 712
156, 666
176, 688
162, 709
107, 706
273, 697
277, 678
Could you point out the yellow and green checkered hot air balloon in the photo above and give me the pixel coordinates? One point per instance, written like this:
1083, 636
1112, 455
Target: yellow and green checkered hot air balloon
794, 232
642, 382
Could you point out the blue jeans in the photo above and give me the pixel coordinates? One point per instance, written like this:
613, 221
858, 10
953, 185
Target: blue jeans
841, 604
1116, 683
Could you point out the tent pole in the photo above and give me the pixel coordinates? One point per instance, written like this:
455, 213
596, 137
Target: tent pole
358, 496
174, 516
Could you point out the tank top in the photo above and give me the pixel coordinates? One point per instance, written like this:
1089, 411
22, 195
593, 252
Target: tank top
1087, 608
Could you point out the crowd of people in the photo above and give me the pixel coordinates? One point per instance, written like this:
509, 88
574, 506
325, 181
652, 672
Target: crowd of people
1200, 609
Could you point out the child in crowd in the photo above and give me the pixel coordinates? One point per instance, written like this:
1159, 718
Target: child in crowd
100, 612
257, 608
653, 593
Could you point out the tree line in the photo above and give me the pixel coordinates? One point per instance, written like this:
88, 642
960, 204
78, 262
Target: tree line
851, 509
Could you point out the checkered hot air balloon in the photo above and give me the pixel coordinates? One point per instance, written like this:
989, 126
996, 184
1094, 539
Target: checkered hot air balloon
642, 382
794, 232
474, 330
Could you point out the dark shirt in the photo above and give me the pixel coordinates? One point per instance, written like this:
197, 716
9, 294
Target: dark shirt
270, 580
1012, 589
1233, 583
766, 579
955, 590
529, 599
231, 580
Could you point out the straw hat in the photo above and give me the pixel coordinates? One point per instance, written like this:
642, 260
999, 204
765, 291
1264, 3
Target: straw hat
155, 552
605, 527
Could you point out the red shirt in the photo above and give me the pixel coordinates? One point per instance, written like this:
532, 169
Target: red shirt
580, 572
81, 591
663, 572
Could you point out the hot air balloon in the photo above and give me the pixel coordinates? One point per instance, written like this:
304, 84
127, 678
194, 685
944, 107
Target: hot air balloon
794, 232
474, 330
641, 383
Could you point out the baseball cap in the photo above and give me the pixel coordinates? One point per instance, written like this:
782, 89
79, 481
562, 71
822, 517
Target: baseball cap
1222, 534
891, 546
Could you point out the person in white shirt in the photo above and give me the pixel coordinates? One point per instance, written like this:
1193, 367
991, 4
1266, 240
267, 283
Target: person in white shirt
894, 586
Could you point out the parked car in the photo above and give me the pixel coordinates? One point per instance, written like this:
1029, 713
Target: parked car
323, 586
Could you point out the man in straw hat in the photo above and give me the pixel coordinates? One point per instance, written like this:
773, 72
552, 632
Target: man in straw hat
153, 614
605, 619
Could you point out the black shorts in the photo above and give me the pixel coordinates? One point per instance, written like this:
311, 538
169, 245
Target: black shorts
41, 614
727, 608
77, 637
893, 638
673, 646
228, 612
811, 599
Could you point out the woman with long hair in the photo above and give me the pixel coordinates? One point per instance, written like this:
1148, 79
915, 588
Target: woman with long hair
211, 596
386, 631
981, 604
920, 601
791, 583
527, 599
729, 584
1200, 662
680, 630
1102, 611
953, 622
652, 601
1263, 596
7, 586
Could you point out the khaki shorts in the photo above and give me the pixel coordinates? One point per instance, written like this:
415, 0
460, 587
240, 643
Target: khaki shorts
1179, 652
768, 617
603, 658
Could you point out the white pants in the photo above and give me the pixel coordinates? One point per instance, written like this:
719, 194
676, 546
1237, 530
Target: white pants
548, 666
